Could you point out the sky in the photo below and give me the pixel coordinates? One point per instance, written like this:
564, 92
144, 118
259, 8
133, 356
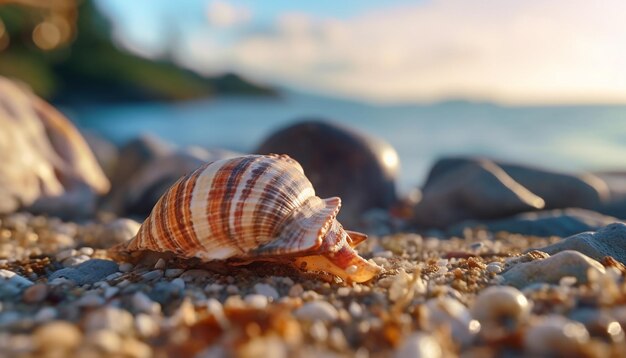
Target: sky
529, 52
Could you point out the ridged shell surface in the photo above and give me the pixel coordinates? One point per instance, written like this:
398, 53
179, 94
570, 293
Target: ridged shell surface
241, 207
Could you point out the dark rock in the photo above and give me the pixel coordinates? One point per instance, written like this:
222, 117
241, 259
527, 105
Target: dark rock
471, 190
11, 284
340, 161
165, 292
608, 241
558, 190
556, 222
88, 272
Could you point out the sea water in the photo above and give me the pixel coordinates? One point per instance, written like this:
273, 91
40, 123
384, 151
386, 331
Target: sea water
570, 138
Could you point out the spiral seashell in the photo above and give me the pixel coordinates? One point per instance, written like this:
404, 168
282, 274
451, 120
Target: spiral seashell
253, 208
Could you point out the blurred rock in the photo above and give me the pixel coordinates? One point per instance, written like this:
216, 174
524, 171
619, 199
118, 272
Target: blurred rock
616, 183
472, 190
340, 161
86, 273
552, 269
106, 152
12, 284
558, 190
556, 222
46, 164
147, 168
608, 241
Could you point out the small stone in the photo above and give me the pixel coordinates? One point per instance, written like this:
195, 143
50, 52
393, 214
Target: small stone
35, 293
355, 309
266, 290
152, 275
296, 290
499, 308
109, 318
318, 331
171, 273
256, 301
160, 264
65, 254
88, 272
494, 267
146, 326
419, 345
57, 336
178, 282
232, 289
343, 291
110, 292
75, 260
133, 348
126, 267
11, 284
143, 303
384, 254
90, 300
552, 269
117, 231
317, 310
195, 274
555, 336
213, 288
86, 251
62, 281
108, 341
448, 312
46, 314
165, 292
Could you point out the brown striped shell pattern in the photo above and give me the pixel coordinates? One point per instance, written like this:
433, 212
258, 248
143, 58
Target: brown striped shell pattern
253, 208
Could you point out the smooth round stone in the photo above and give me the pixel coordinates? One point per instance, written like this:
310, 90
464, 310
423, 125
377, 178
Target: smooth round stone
419, 345
109, 318
143, 303
256, 301
341, 161
266, 290
35, 293
126, 267
88, 272
555, 336
11, 284
91, 300
108, 341
500, 309
317, 310
448, 312
57, 335
145, 325
65, 254
494, 267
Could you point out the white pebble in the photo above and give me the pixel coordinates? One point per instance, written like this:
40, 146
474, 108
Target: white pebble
75, 260
146, 326
494, 267
105, 340
343, 291
143, 303
111, 318
65, 254
555, 336
296, 290
266, 290
419, 345
86, 251
318, 331
160, 264
317, 310
448, 312
384, 254
256, 301
355, 309
498, 305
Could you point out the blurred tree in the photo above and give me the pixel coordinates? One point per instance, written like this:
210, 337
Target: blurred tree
64, 50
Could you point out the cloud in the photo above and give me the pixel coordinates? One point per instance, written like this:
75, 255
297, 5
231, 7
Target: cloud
549, 51
222, 14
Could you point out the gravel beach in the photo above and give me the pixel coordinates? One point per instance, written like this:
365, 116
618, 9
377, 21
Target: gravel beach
62, 296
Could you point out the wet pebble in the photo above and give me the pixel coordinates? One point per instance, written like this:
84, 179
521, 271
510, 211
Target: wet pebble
555, 336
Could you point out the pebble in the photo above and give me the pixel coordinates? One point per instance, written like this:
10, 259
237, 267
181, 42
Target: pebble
296, 290
173, 272
195, 274
152, 275
86, 251
384, 254
213, 288
448, 312
552, 269
143, 303
317, 310
89, 300
57, 336
256, 301
494, 267
343, 291
46, 314
146, 326
117, 231
75, 260
106, 340
160, 264
65, 254
88, 272
178, 282
110, 292
266, 290
355, 309
500, 307
35, 293
133, 348
109, 318
318, 331
555, 336
232, 289
126, 267
11, 284
419, 345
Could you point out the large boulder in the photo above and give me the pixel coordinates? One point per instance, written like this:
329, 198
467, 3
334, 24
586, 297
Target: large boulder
340, 161
46, 164
472, 190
